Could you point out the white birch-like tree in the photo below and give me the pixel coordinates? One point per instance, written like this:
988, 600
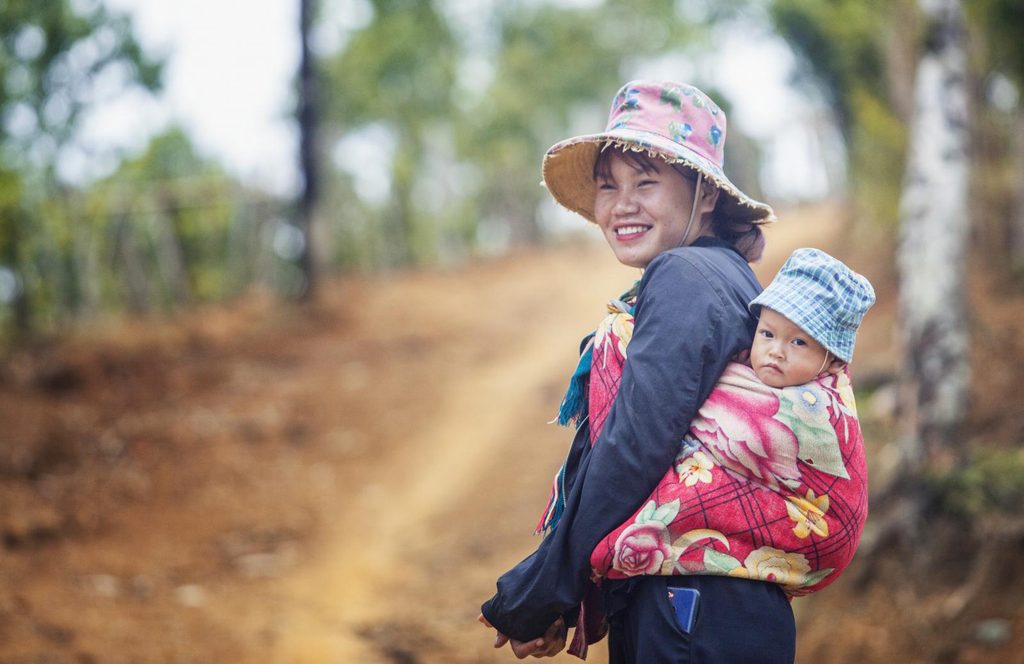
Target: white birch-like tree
932, 250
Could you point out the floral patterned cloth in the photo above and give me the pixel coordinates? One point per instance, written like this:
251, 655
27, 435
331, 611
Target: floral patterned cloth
769, 484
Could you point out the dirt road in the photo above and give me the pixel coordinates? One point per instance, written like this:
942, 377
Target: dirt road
259, 484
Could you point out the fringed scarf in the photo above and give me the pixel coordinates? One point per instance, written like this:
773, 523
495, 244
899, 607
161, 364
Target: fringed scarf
575, 407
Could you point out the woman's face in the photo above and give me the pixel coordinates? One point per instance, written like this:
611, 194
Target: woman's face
643, 208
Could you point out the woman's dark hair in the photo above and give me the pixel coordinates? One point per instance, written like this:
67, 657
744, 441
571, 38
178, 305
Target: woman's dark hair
641, 161
746, 236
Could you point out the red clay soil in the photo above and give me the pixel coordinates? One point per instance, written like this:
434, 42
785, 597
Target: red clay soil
341, 483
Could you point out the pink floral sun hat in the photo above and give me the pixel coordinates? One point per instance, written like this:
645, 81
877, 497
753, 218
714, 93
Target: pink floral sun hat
671, 121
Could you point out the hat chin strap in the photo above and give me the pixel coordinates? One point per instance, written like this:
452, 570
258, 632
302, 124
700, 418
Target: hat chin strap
827, 358
693, 209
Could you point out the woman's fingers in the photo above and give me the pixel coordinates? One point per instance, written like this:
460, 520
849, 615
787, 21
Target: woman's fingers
548, 645
523, 649
555, 637
500, 639
554, 647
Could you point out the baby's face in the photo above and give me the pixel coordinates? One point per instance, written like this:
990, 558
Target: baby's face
782, 353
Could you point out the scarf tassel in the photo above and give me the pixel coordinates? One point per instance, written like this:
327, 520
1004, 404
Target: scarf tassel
574, 403
556, 505
572, 411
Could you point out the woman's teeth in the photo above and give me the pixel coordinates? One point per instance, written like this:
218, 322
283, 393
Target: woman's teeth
630, 230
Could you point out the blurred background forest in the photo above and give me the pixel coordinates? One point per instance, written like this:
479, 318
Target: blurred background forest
426, 121
153, 298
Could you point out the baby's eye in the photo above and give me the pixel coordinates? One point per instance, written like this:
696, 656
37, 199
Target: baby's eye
766, 334
799, 342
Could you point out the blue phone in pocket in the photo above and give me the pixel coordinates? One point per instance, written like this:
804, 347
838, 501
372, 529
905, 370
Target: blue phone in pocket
685, 601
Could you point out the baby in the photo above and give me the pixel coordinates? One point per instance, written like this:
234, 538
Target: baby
808, 320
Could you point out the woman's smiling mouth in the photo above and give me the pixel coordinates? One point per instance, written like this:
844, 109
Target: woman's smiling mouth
625, 232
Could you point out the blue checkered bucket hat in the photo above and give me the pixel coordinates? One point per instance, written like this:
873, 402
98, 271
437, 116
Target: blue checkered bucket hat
822, 296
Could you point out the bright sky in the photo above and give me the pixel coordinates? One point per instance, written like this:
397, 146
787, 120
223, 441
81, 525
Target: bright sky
230, 67
227, 80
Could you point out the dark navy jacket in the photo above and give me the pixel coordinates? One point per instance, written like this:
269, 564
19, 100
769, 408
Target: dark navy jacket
691, 317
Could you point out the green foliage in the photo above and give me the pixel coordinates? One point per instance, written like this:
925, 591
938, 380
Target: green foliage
1003, 23
169, 228
997, 29
840, 45
473, 120
170, 185
846, 52
399, 68
51, 59
399, 71
541, 76
877, 152
54, 60
992, 481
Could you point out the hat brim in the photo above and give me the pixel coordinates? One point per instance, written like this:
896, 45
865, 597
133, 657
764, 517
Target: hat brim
839, 343
568, 172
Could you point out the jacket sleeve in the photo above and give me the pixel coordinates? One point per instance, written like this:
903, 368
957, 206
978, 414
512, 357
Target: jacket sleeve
684, 334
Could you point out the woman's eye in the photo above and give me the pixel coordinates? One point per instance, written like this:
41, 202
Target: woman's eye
644, 183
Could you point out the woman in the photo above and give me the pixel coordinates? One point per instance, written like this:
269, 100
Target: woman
653, 183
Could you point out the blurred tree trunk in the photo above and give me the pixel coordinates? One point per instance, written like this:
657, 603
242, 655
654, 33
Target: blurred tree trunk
170, 256
244, 234
1017, 220
933, 237
309, 162
21, 305
901, 55
401, 236
85, 266
1000, 27
136, 281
